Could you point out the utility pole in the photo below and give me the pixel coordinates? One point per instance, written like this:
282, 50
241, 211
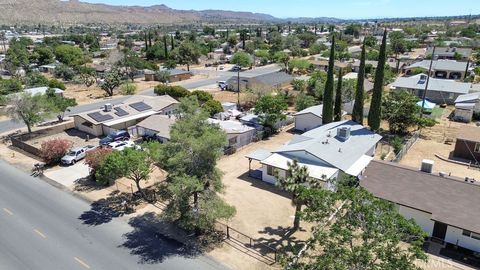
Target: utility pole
238, 89
426, 83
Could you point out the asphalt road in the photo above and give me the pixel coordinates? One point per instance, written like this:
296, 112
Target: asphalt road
42, 227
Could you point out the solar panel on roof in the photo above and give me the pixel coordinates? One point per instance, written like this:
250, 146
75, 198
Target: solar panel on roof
99, 117
120, 112
140, 106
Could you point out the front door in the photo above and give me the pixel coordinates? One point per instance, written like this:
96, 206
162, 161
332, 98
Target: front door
439, 230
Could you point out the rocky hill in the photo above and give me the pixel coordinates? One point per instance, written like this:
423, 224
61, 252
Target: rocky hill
74, 11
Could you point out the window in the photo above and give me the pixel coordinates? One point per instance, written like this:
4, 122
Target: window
466, 233
475, 236
269, 170
471, 234
477, 148
232, 141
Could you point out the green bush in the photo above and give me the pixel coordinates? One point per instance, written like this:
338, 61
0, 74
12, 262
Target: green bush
397, 144
54, 83
174, 91
128, 89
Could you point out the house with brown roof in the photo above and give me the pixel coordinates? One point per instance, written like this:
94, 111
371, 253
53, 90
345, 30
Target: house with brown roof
124, 116
468, 144
444, 207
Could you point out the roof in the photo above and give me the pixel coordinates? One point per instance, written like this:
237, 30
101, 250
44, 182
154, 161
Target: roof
468, 98
450, 200
132, 108
440, 85
176, 71
259, 154
231, 126
447, 51
41, 90
316, 170
159, 123
323, 143
315, 110
449, 65
469, 133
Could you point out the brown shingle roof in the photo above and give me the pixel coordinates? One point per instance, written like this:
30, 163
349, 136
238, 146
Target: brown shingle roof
469, 133
450, 200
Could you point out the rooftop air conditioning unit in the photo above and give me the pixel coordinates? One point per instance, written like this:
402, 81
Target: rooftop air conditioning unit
343, 133
108, 107
427, 166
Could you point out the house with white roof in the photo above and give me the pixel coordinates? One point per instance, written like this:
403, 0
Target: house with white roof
330, 151
439, 91
441, 69
126, 115
466, 106
238, 134
309, 118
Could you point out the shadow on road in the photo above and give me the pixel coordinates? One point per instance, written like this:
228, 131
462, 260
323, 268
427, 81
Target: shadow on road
149, 244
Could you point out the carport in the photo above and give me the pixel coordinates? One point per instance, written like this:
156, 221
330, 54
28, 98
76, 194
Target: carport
257, 155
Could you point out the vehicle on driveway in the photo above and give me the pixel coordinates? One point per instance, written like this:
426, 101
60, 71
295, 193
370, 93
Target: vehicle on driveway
73, 156
223, 85
120, 135
121, 145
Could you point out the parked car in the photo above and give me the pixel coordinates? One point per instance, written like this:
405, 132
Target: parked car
121, 145
120, 135
223, 85
236, 68
74, 155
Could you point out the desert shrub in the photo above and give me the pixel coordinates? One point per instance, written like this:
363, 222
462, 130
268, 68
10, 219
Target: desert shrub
174, 91
128, 89
53, 150
397, 144
95, 158
54, 83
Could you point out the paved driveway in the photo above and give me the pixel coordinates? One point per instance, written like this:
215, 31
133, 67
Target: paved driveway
67, 175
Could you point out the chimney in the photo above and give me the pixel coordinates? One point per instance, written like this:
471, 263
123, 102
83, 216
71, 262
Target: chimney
427, 166
343, 133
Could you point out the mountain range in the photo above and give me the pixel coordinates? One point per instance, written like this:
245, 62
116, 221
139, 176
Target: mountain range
77, 12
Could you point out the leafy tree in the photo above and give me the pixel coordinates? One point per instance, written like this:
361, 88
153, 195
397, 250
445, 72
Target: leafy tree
295, 180
112, 80
64, 72
29, 109
69, 55
128, 88
212, 107
304, 101
162, 76
193, 180
300, 65
307, 38
133, 164
299, 85
282, 58
95, 158
44, 55
370, 41
170, 64
53, 150
337, 112
375, 113
54, 83
367, 233
316, 48
327, 113
174, 91
242, 59
397, 44
186, 54
357, 112
8, 86
202, 96
59, 104
35, 79
270, 110
17, 55
156, 52
353, 29
87, 76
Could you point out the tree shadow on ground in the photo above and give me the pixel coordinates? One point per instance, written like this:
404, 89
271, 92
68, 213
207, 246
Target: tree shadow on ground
281, 239
86, 184
104, 210
150, 240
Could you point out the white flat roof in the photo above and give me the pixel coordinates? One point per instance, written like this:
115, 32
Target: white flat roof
359, 165
316, 171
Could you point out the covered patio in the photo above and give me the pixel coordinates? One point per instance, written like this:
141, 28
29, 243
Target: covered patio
257, 155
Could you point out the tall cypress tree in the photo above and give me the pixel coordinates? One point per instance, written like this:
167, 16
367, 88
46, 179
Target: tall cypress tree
165, 46
357, 113
146, 41
327, 112
172, 43
338, 98
375, 107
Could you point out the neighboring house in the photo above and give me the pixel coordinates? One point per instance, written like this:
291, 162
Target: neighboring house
441, 69
355, 51
254, 120
238, 134
50, 68
322, 64
450, 53
330, 151
444, 207
156, 125
467, 145
43, 90
367, 85
125, 115
356, 65
254, 80
309, 118
149, 75
439, 91
466, 106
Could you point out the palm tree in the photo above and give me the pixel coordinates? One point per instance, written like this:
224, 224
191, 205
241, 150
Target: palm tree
295, 179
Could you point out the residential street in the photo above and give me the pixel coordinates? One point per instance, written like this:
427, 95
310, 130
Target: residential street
42, 227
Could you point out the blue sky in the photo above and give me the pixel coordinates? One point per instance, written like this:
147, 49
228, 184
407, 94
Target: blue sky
346, 9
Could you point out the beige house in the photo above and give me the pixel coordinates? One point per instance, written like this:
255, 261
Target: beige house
125, 115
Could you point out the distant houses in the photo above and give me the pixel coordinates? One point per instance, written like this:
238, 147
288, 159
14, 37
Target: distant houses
449, 53
266, 81
466, 106
441, 69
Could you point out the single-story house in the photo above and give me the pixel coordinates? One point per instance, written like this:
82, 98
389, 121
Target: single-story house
156, 125
238, 134
444, 207
356, 64
50, 68
177, 75
43, 90
125, 115
355, 51
466, 106
367, 85
149, 75
254, 120
254, 80
322, 64
309, 118
441, 69
449, 53
439, 91
467, 145
329, 151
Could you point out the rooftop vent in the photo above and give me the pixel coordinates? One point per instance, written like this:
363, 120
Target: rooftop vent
343, 133
423, 79
107, 107
427, 166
